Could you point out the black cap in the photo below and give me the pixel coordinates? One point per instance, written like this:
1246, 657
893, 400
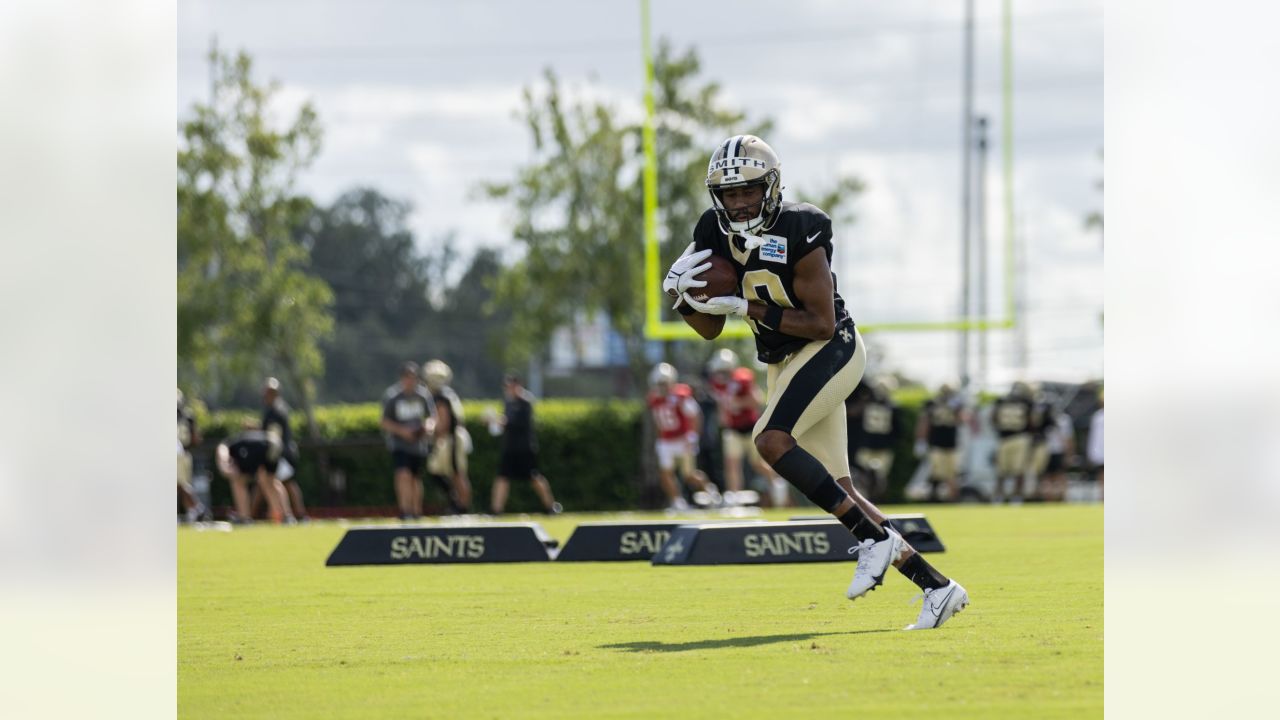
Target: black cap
512, 377
409, 367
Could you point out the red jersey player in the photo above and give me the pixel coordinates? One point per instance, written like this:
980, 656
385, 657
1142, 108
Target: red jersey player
739, 400
678, 421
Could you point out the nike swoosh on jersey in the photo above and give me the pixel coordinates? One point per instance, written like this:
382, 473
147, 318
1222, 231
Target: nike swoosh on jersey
813, 237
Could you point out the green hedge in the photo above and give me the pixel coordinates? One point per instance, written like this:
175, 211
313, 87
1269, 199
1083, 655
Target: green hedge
589, 450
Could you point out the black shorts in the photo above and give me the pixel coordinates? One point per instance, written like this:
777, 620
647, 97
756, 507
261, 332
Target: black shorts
1055, 464
413, 463
441, 482
249, 463
518, 464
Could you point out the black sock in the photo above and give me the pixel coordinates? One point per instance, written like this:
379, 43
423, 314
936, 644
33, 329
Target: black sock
862, 526
920, 572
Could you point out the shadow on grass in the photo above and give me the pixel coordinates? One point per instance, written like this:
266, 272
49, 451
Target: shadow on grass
732, 642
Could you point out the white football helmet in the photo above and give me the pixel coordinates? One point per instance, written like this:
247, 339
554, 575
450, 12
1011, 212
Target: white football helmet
436, 374
663, 374
725, 360
745, 161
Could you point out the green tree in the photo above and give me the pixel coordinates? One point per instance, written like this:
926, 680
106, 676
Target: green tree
362, 247
579, 204
246, 304
393, 302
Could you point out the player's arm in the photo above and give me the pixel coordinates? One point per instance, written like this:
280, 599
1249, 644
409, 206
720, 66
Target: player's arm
816, 293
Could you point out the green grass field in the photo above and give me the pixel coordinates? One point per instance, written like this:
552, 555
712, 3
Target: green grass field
266, 630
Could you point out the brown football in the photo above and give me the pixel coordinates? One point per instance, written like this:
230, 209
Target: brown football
721, 279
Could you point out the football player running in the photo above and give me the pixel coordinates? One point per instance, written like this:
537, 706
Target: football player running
815, 356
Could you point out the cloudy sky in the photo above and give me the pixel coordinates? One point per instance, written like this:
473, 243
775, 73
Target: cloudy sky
418, 100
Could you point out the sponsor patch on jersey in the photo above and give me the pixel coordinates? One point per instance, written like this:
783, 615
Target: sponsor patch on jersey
774, 249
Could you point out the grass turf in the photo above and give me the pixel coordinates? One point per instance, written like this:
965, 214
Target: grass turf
265, 630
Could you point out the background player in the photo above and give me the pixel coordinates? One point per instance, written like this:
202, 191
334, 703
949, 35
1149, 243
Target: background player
447, 461
408, 419
519, 448
275, 419
871, 441
253, 455
1059, 445
739, 400
937, 432
814, 353
1011, 416
677, 421
188, 437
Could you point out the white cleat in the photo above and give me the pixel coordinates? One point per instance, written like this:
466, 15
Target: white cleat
874, 559
939, 605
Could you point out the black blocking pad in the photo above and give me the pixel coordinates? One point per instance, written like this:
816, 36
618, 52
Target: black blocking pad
611, 541
416, 545
764, 542
913, 527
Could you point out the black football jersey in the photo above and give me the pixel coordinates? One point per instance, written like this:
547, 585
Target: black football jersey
1012, 416
877, 424
944, 419
767, 274
275, 418
519, 434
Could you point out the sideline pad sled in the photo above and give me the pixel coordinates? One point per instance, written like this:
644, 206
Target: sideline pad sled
618, 540
792, 541
417, 545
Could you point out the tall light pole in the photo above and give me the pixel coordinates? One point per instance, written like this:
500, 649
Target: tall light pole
965, 178
982, 250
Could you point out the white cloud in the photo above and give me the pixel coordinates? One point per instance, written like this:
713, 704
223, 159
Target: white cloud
391, 104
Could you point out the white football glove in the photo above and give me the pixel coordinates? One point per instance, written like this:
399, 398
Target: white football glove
727, 305
684, 273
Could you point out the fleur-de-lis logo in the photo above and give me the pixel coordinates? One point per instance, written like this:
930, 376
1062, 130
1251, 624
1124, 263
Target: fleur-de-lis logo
846, 335
674, 549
